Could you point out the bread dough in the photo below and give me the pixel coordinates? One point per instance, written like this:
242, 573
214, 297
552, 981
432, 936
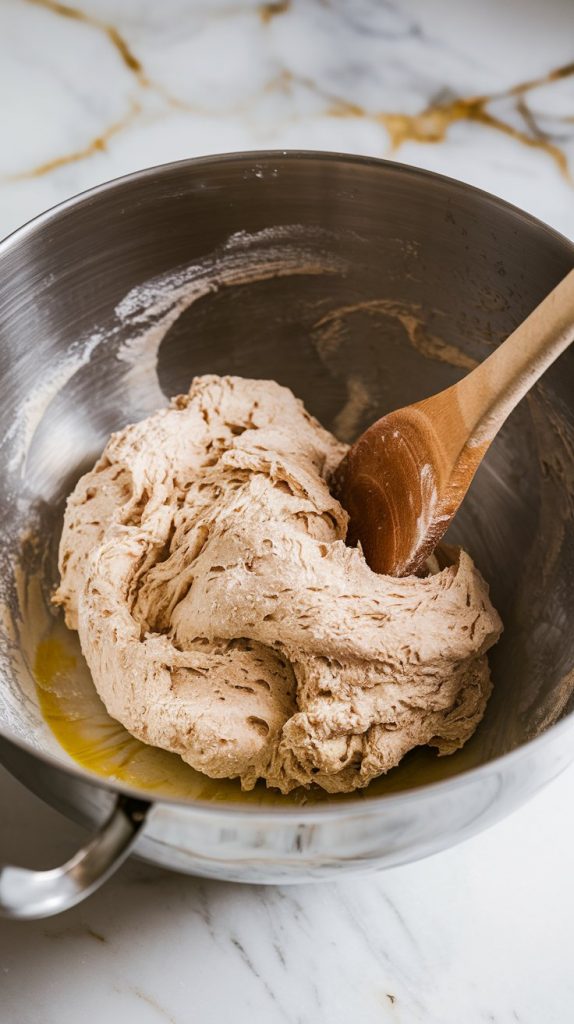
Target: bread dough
203, 563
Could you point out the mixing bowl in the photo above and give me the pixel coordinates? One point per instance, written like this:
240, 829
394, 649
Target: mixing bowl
363, 286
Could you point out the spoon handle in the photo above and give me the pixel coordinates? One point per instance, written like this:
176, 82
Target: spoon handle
488, 394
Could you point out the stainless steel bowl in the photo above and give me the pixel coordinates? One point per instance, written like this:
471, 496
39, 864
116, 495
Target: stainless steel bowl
368, 285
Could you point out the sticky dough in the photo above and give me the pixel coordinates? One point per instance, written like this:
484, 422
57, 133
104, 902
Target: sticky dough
222, 616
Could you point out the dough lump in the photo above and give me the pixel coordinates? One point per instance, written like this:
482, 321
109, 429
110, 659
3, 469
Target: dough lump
222, 616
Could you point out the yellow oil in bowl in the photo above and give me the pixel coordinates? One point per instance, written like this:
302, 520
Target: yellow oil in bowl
79, 721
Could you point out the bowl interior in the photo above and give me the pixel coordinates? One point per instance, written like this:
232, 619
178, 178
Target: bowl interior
362, 286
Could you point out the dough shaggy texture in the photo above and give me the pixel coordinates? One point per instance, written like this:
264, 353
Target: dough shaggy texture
204, 565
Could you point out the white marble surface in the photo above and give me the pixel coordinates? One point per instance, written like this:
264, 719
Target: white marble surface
483, 932
480, 933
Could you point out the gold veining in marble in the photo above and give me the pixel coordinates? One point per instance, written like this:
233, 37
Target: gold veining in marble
149, 999
433, 123
430, 125
269, 11
115, 38
564, 71
96, 145
100, 142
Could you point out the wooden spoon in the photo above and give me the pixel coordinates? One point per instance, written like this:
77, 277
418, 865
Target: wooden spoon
404, 479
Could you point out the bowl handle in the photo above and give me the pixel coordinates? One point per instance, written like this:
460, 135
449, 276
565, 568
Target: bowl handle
33, 894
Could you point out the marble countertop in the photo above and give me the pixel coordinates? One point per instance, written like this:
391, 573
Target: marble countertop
483, 92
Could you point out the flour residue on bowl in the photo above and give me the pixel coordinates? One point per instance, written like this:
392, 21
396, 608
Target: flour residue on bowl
150, 309
132, 334
142, 319
32, 410
330, 332
410, 315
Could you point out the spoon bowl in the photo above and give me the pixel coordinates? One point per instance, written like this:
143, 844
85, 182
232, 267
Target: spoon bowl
403, 480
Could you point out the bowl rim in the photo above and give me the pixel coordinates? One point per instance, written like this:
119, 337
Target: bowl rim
273, 155
361, 805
